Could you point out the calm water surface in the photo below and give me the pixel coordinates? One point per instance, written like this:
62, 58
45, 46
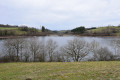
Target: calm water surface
62, 40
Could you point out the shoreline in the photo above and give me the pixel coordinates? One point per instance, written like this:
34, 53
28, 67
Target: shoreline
9, 37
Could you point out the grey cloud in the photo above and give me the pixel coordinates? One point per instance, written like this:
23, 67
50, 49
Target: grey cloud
58, 14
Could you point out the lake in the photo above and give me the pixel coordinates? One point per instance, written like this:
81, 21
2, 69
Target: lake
63, 40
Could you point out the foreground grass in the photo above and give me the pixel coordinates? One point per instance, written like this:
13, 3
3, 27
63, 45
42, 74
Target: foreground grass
61, 71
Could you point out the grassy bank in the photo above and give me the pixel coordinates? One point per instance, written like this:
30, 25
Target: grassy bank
104, 31
11, 31
61, 71
18, 31
8, 28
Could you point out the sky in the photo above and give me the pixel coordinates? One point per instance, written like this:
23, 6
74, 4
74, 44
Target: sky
60, 14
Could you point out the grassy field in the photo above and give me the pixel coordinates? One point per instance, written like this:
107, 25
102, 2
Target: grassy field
16, 30
61, 71
106, 30
7, 28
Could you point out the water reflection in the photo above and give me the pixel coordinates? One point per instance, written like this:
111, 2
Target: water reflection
106, 44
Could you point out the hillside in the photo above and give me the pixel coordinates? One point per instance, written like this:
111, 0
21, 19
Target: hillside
97, 31
8, 30
4, 31
61, 71
109, 31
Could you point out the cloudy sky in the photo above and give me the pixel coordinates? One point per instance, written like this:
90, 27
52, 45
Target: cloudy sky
60, 14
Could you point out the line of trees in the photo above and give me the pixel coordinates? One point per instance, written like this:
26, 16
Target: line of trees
13, 30
109, 30
104, 31
79, 30
2, 25
34, 50
28, 30
7, 32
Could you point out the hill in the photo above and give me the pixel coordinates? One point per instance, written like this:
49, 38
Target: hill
8, 30
100, 31
108, 31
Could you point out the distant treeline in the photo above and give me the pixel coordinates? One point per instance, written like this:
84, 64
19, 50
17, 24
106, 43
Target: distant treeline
98, 31
7, 32
2, 25
19, 31
14, 30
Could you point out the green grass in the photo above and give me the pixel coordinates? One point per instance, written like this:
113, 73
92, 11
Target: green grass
104, 29
61, 71
16, 30
7, 28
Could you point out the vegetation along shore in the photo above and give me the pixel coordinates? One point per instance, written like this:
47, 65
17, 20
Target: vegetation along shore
14, 30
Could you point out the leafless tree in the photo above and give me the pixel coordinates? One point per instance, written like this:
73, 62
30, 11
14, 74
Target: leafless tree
103, 54
26, 52
51, 47
100, 53
34, 46
8, 50
77, 49
18, 45
94, 47
42, 54
116, 46
59, 57
14, 48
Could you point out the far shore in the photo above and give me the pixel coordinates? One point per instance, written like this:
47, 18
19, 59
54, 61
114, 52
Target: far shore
9, 37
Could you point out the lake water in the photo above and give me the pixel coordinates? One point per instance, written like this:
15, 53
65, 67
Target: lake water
62, 40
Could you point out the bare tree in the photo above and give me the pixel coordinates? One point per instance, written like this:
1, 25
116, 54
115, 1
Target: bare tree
116, 46
94, 47
42, 54
103, 54
26, 52
51, 47
26, 56
14, 48
77, 49
34, 46
18, 45
100, 53
59, 57
8, 50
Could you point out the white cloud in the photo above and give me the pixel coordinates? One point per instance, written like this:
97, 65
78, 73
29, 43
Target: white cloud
58, 14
